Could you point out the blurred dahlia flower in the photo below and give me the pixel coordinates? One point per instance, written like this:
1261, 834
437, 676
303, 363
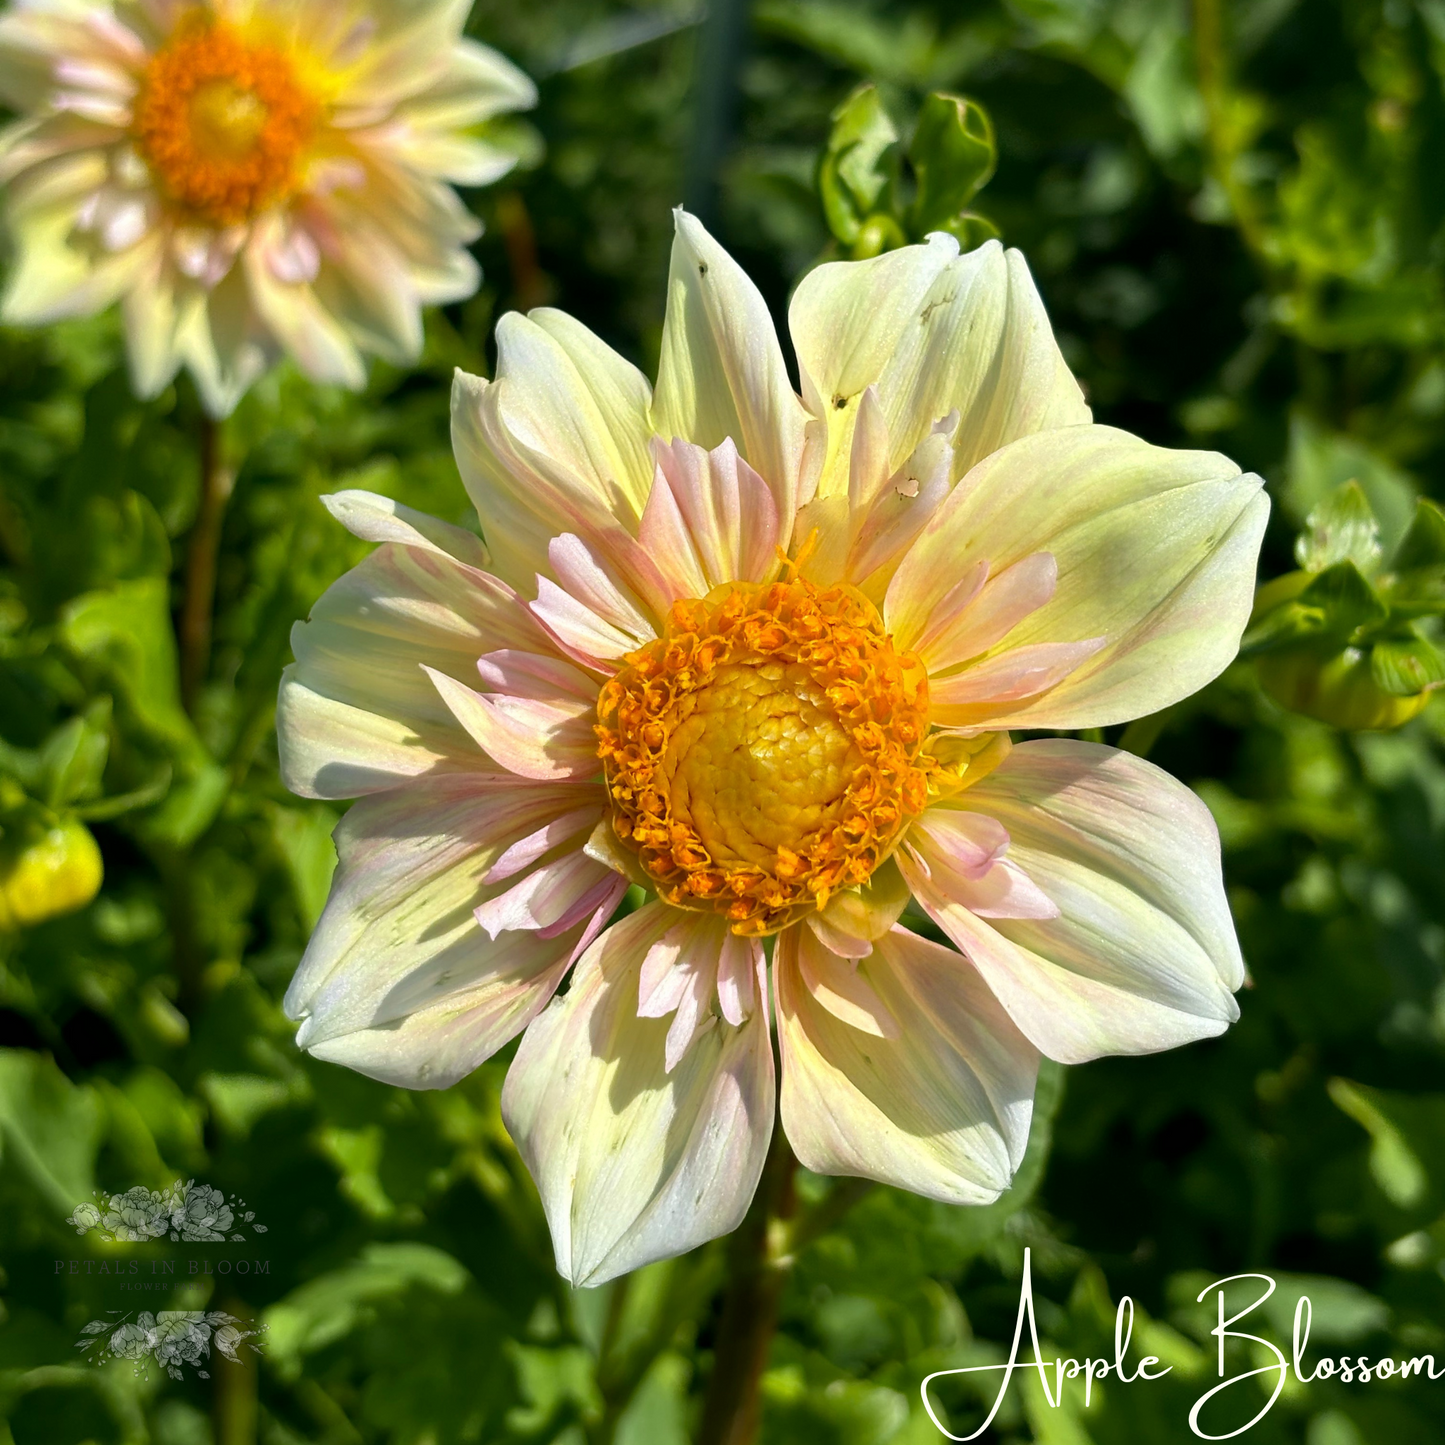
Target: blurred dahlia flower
248, 177
759, 654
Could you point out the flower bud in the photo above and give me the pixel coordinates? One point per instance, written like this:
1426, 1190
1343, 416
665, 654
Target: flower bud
48, 866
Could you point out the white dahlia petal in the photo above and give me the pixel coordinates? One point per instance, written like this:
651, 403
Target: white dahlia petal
558, 443
226, 348
1142, 954
356, 711
477, 85
940, 1105
635, 1163
380, 519
722, 374
566, 395
531, 726
52, 279
398, 980
936, 333
1155, 553
593, 615
305, 329
710, 519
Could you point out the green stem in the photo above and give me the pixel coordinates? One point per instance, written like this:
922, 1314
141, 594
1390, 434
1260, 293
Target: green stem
198, 601
236, 1389
757, 1272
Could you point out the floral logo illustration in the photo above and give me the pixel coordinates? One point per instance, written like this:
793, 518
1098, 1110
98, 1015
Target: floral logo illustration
172, 1338
195, 1213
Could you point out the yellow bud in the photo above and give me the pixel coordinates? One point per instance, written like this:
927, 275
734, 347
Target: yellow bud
47, 867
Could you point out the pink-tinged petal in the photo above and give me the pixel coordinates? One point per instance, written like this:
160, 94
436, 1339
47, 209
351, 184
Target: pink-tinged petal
741, 979
898, 514
951, 608
1142, 955
967, 843
592, 615
293, 315
357, 704
437, 1044
1005, 891
380, 519
535, 675
565, 889
980, 693
721, 374
962, 855
697, 957
634, 1163
689, 1020
838, 985
293, 255
709, 519
967, 623
942, 1108
557, 443
398, 980
590, 579
551, 835
530, 460
663, 978
1155, 551
530, 738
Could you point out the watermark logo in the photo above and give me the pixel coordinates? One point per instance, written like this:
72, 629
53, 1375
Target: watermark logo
172, 1338
186, 1212
1270, 1363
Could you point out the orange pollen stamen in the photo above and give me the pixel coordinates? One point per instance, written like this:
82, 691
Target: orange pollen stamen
765, 751
223, 123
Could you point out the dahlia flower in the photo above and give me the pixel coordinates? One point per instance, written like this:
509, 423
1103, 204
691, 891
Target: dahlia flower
248, 177
759, 654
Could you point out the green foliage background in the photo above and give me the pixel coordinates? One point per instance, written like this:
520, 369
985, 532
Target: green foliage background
1236, 214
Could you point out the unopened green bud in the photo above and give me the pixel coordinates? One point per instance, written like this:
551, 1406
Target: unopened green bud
1338, 688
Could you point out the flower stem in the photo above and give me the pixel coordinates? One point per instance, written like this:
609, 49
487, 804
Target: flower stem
217, 479
757, 1273
236, 1394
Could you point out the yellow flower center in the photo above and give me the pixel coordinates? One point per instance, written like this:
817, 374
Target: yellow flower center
765, 751
223, 122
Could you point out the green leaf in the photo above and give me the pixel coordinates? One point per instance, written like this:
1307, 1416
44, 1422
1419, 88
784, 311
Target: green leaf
1320, 462
303, 838
1342, 528
124, 633
1418, 566
1406, 1134
1345, 598
852, 174
50, 1129
1405, 666
953, 153
329, 1307
1424, 544
74, 755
